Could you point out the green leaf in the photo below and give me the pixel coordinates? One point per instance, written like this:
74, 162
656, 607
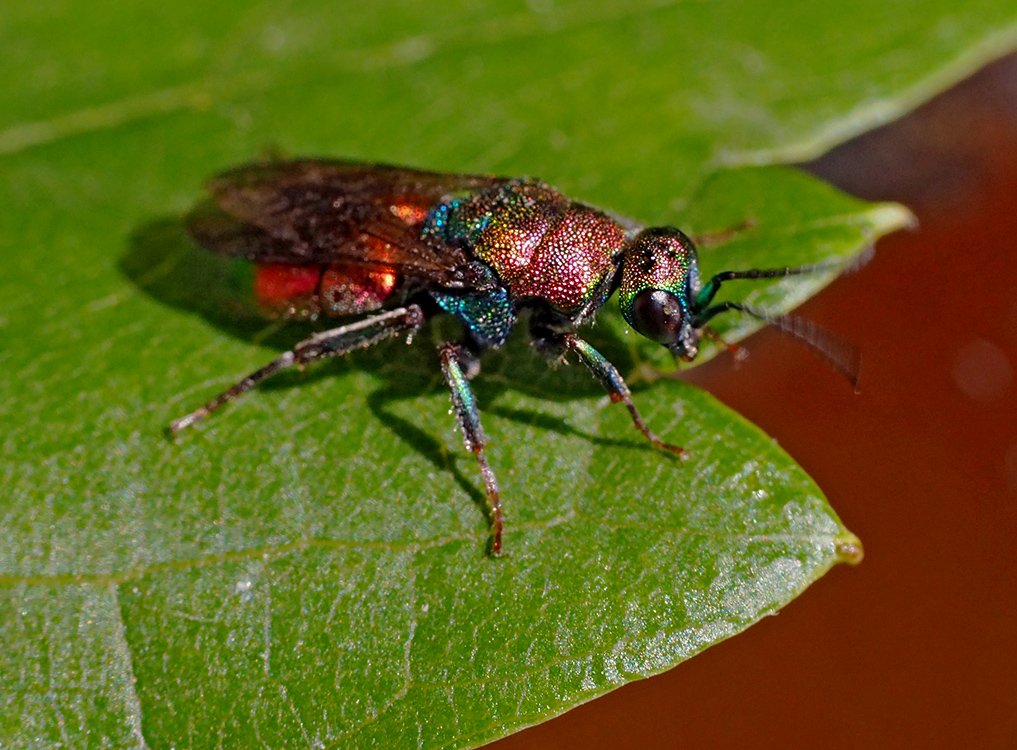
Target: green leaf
308, 567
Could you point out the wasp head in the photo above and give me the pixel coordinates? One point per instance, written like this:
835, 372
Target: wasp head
663, 297
660, 287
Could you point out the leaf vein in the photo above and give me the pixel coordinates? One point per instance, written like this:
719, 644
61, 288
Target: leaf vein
134, 709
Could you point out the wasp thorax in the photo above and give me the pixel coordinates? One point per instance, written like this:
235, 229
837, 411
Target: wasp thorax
659, 282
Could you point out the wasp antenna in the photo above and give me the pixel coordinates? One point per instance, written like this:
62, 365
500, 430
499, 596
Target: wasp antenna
711, 287
839, 354
842, 356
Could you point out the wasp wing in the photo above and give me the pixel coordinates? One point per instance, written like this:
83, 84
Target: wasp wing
320, 212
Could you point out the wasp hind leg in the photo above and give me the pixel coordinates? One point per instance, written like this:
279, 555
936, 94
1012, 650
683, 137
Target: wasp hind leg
458, 364
332, 343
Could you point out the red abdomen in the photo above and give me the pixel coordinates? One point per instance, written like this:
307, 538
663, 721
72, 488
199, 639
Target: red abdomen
285, 290
303, 292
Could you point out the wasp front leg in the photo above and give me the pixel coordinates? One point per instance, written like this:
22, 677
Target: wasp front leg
612, 382
454, 358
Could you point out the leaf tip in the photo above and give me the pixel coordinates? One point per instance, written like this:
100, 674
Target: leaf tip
885, 218
849, 549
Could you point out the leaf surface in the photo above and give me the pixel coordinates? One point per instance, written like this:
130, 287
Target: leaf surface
308, 567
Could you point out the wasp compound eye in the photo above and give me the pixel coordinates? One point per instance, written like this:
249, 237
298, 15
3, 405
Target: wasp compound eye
658, 315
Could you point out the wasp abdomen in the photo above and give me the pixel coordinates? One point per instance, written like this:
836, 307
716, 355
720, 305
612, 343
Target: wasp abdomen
305, 292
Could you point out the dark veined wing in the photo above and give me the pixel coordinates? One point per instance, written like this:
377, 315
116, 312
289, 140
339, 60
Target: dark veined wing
319, 212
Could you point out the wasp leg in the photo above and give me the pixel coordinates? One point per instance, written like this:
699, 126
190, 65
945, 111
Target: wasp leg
332, 343
614, 384
453, 357
720, 236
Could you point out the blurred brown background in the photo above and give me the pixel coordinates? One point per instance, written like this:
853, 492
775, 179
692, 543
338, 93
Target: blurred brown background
918, 645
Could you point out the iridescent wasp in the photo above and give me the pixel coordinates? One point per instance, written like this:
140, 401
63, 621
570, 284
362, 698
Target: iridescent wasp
397, 246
